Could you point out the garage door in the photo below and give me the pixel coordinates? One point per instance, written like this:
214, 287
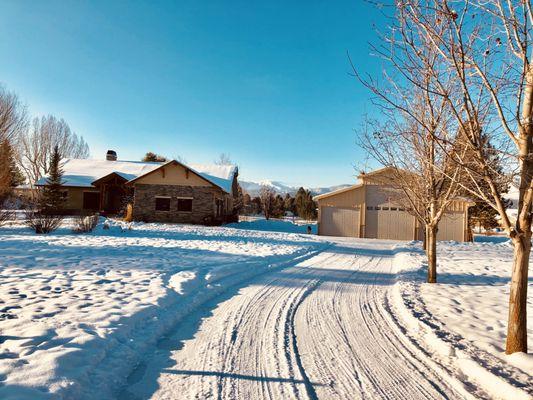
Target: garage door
336, 221
389, 223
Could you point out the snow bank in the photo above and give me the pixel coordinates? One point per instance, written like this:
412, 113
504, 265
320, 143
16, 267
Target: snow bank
77, 311
462, 319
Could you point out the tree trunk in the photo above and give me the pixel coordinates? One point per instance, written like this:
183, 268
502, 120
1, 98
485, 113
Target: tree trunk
431, 251
517, 323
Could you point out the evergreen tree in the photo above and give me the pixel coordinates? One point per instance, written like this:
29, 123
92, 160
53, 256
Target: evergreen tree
305, 205
278, 209
238, 201
52, 199
482, 214
290, 204
10, 175
153, 157
247, 204
256, 205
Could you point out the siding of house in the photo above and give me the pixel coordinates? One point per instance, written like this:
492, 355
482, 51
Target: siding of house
203, 204
74, 200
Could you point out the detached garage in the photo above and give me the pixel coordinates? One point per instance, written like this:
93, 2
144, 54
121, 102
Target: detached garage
365, 210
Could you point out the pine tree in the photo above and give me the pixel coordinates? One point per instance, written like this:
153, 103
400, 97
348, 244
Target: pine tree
482, 214
238, 201
52, 199
305, 205
278, 208
153, 157
10, 175
290, 204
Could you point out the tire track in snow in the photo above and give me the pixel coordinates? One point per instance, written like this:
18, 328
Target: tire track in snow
318, 330
363, 353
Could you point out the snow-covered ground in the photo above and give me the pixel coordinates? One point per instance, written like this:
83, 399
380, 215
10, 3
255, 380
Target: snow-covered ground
287, 225
183, 312
77, 311
466, 312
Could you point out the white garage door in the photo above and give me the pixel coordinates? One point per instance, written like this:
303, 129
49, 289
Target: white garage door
389, 223
336, 221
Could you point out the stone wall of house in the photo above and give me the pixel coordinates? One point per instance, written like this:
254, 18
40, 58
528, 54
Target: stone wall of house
203, 204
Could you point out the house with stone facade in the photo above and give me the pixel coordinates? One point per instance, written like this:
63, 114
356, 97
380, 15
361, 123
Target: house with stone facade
159, 192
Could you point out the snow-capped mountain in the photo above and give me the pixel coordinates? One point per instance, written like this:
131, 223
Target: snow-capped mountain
253, 188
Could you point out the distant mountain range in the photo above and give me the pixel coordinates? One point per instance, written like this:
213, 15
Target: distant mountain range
253, 188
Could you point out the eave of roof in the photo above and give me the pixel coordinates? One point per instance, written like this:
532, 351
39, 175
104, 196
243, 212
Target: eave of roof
338, 191
175, 162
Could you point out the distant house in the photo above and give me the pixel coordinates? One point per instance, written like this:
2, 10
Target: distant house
366, 210
160, 192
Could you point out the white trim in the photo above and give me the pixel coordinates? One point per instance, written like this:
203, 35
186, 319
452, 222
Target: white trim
338, 191
162, 197
184, 198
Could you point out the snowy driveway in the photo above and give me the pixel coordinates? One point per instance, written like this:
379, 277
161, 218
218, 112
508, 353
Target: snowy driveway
318, 330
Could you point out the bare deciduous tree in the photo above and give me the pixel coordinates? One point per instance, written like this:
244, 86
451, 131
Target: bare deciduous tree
406, 137
223, 159
36, 146
13, 121
485, 48
13, 116
267, 196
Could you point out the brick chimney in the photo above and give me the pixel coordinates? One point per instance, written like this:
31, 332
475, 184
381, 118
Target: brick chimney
111, 155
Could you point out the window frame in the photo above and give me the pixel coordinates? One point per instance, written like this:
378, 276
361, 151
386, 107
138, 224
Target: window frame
162, 198
178, 204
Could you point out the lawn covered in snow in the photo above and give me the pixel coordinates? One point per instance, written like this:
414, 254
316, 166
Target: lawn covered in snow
467, 309
78, 310
287, 225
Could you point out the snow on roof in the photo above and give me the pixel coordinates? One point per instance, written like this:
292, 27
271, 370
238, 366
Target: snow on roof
220, 175
83, 172
338, 191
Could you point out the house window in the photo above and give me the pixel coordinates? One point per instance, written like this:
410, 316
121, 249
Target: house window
185, 205
91, 200
162, 203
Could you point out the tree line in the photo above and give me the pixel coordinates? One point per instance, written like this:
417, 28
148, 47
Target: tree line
273, 205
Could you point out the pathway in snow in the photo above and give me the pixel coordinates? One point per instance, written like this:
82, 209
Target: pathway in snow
318, 330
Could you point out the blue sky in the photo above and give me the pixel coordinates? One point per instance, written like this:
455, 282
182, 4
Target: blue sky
266, 82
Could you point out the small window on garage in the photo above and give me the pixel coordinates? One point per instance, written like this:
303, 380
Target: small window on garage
370, 208
385, 208
162, 203
401, 209
185, 205
393, 208
377, 208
